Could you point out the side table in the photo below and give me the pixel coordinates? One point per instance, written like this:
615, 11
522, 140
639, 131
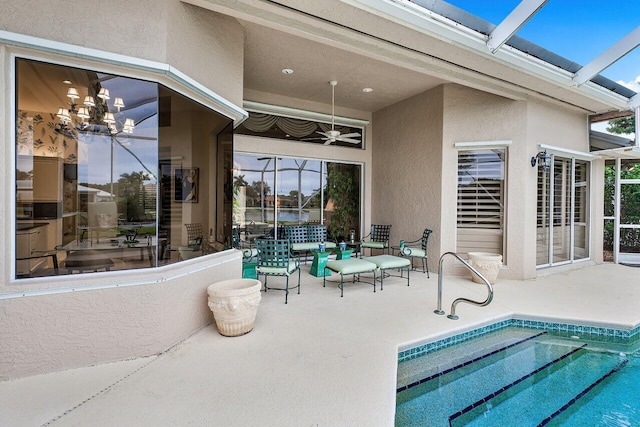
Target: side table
319, 262
355, 246
342, 253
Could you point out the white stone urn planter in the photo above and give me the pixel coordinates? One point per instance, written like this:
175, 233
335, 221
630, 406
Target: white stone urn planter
487, 264
234, 304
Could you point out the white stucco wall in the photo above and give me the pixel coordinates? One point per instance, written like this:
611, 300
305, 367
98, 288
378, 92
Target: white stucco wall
208, 47
567, 128
407, 168
415, 166
146, 314
80, 320
472, 116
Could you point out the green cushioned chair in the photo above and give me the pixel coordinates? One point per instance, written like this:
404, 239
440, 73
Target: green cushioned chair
378, 238
305, 238
275, 259
249, 252
411, 251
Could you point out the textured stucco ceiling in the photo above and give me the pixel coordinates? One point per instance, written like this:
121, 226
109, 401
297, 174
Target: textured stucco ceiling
268, 51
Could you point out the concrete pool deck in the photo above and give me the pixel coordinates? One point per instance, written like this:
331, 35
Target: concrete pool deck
319, 360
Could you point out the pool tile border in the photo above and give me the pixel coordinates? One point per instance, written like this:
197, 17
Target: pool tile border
622, 336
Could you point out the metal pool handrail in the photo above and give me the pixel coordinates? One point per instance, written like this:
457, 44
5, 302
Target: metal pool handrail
453, 316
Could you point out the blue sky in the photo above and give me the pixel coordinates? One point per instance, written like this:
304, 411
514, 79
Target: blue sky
578, 30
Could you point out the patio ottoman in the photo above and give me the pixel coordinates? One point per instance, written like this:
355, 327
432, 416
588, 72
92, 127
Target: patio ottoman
351, 266
390, 262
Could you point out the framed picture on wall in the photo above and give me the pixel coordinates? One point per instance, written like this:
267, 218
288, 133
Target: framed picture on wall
186, 183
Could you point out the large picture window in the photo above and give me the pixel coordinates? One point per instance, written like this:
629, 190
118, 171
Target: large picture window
99, 159
481, 184
271, 192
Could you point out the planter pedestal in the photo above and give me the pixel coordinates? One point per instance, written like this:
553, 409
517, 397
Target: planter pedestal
487, 264
234, 304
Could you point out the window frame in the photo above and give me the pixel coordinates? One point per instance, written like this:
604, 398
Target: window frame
18, 46
569, 157
323, 166
471, 146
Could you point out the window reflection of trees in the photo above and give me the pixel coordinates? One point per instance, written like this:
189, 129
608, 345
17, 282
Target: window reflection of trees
308, 192
100, 162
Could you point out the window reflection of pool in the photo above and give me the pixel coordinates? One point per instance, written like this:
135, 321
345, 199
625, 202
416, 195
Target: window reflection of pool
282, 216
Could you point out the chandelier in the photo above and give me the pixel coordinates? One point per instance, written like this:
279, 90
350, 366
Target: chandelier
93, 114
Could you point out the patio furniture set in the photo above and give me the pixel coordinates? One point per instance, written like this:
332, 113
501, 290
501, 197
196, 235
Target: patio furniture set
281, 257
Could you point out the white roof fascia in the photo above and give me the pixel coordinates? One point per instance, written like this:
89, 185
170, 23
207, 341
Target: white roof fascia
512, 23
565, 152
634, 102
296, 113
434, 25
608, 57
622, 153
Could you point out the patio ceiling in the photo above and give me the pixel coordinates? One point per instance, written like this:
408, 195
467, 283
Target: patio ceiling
268, 51
396, 53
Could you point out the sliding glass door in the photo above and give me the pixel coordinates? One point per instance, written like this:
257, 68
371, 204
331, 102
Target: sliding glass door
279, 191
562, 233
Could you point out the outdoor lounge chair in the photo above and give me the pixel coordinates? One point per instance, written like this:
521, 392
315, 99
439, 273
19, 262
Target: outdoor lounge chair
378, 238
275, 259
410, 250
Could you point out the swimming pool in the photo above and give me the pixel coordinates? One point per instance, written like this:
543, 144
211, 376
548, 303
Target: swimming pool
501, 375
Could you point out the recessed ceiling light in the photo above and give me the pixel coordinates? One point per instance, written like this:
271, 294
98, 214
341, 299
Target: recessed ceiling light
367, 90
287, 71
67, 82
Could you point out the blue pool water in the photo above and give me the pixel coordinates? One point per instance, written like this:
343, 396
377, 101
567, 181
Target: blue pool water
523, 377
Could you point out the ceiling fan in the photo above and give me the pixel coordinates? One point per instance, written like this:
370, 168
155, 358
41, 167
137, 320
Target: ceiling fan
334, 135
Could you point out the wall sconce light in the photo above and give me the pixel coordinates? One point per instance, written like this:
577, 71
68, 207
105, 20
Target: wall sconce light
545, 160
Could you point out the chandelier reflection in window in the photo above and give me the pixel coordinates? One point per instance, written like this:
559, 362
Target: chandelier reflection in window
93, 114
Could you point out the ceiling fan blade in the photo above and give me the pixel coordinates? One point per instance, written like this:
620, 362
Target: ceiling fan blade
350, 140
324, 134
350, 135
329, 141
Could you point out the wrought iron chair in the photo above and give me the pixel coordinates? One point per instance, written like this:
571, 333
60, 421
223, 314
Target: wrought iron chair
249, 254
378, 238
248, 249
275, 259
195, 238
409, 250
